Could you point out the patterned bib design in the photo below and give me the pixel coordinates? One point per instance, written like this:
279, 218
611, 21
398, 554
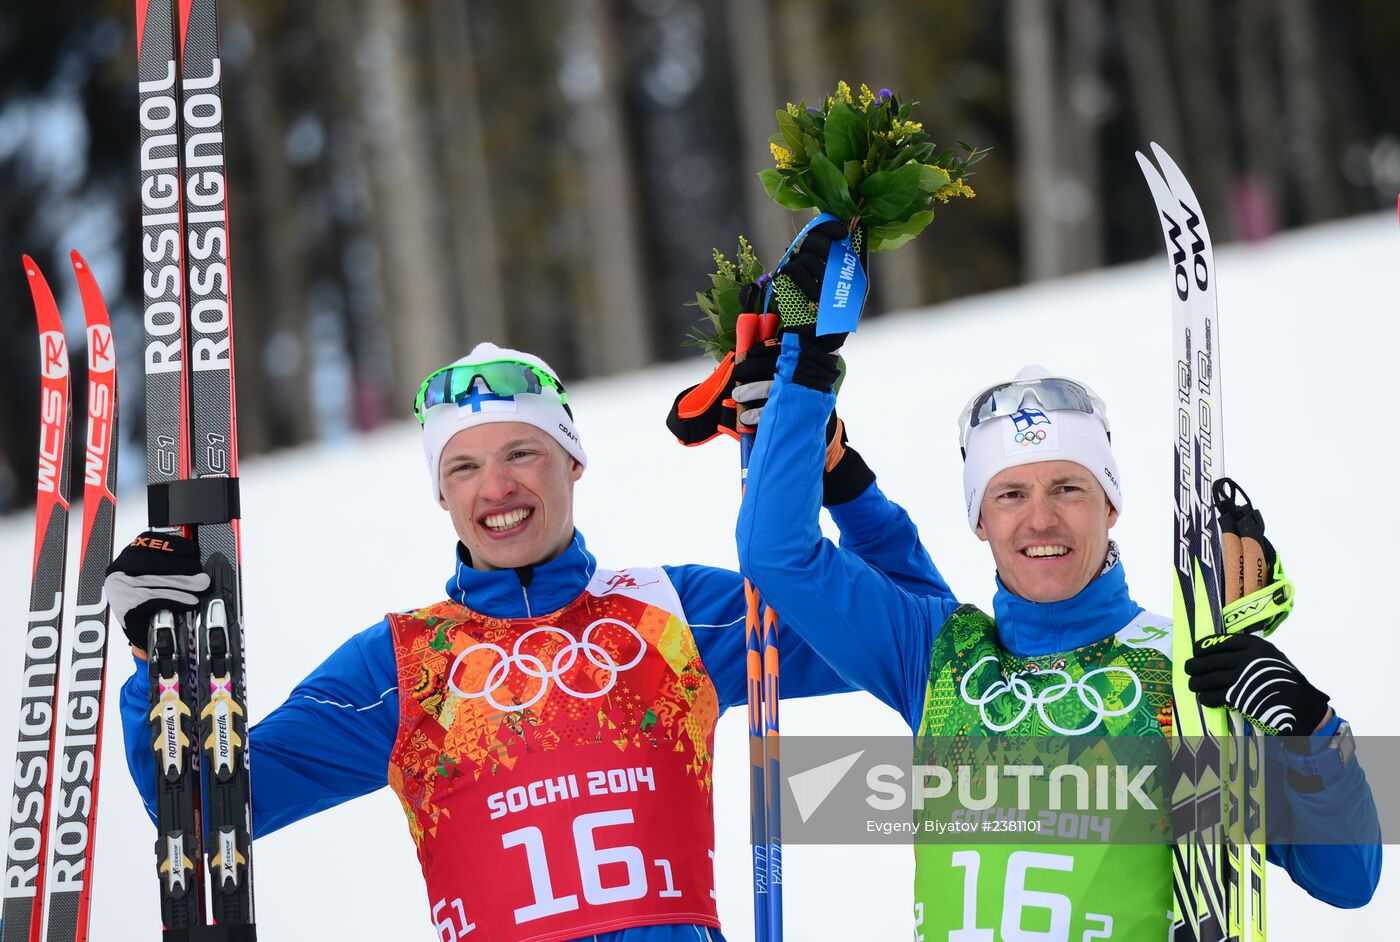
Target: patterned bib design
556, 771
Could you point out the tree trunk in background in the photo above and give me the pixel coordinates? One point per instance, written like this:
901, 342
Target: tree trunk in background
1256, 197
284, 360
616, 334
352, 261
751, 62
1315, 167
896, 276
1207, 162
1034, 106
1084, 105
1150, 75
404, 204
807, 73
474, 270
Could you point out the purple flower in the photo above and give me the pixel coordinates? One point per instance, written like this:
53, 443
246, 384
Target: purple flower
763, 280
814, 110
884, 95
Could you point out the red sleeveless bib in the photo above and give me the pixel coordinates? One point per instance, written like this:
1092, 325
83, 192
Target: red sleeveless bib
555, 771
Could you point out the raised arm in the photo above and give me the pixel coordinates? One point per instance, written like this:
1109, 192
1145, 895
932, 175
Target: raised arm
876, 634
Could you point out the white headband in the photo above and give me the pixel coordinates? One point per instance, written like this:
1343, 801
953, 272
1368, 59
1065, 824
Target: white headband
544, 411
1036, 434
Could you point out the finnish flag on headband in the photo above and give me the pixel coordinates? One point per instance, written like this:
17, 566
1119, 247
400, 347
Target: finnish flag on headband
482, 399
1030, 429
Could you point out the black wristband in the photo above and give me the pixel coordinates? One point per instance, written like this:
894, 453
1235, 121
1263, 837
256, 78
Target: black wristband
817, 363
848, 480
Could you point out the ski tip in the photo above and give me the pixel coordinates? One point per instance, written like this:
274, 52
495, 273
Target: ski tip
78, 262
30, 268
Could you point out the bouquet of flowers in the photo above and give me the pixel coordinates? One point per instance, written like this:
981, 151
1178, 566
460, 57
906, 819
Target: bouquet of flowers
861, 158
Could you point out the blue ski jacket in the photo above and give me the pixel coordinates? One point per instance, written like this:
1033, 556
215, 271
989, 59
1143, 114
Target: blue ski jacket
878, 635
331, 740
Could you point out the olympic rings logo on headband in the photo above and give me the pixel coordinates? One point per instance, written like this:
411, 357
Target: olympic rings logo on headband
1030, 437
1020, 689
560, 664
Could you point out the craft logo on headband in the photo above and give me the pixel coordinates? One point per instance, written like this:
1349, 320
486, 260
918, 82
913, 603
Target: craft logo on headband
1029, 428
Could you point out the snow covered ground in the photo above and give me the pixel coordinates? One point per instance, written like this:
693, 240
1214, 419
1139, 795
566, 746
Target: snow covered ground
337, 535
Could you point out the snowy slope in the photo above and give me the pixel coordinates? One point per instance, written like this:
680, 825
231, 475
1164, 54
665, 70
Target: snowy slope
337, 535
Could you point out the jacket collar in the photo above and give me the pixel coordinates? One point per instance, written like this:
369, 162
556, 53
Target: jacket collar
526, 592
1031, 629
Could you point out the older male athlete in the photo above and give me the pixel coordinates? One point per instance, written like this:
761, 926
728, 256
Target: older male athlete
1062, 614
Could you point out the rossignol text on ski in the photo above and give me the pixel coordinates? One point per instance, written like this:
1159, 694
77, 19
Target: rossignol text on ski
48, 876
198, 710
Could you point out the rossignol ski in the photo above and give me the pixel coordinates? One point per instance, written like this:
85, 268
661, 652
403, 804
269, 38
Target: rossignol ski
198, 707
70, 868
30, 809
43, 878
1217, 776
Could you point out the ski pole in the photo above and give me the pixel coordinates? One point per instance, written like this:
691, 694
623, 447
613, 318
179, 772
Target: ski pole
761, 635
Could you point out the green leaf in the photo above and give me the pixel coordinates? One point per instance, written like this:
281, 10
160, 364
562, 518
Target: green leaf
900, 158
932, 178
727, 300
889, 194
781, 191
845, 134
855, 174
829, 187
791, 133
890, 244
914, 224
891, 236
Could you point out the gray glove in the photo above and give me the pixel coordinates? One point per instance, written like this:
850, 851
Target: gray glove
156, 572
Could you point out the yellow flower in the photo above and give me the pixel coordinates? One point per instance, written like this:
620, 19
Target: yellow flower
746, 256
794, 109
867, 97
843, 92
951, 189
901, 129
781, 156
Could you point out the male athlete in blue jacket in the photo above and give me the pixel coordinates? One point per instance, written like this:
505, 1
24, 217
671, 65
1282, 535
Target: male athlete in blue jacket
549, 716
1063, 622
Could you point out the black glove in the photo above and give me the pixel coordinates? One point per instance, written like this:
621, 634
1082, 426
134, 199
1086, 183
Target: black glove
797, 285
753, 381
797, 292
155, 572
846, 475
1251, 675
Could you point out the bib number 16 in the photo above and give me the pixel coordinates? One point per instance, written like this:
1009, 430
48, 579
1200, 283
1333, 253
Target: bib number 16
591, 860
1016, 898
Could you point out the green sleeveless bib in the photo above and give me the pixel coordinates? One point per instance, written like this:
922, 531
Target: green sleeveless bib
1065, 883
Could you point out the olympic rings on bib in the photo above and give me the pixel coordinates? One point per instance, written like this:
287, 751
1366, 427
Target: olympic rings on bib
532, 666
1030, 437
1016, 684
